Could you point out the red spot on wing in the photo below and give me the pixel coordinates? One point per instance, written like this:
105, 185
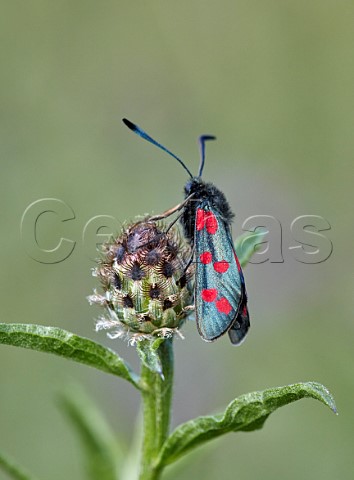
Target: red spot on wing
211, 223
200, 220
223, 305
221, 267
209, 295
205, 257
206, 219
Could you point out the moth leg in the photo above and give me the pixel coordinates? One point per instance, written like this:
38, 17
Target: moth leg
170, 211
189, 261
184, 275
174, 221
166, 214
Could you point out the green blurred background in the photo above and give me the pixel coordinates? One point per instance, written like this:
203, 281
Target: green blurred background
273, 80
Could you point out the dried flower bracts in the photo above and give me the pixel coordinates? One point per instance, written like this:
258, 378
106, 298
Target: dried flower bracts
146, 277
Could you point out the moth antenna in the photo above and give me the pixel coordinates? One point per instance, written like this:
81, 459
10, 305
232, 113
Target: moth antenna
202, 140
147, 137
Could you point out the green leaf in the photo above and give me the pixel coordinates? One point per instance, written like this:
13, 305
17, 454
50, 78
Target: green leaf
65, 344
12, 469
245, 413
148, 351
103, 454
247, 244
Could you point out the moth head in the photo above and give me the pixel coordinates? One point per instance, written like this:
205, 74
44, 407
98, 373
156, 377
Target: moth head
194, 185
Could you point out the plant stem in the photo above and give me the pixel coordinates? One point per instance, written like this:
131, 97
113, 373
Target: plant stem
16, 472
156, 396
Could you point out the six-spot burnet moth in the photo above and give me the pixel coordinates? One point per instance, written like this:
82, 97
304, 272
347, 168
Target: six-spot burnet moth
220, 294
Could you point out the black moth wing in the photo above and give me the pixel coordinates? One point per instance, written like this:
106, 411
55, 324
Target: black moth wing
220, 293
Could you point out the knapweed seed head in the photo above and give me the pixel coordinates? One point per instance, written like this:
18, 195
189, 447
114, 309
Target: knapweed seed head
146, 278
